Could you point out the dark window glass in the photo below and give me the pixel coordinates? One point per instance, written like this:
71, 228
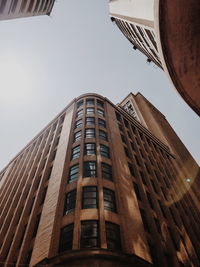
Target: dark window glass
113, 236
89, 169
118, 116
79, 104
70, 202
78, 123
131, 170
120, 127
90, 102
89, 234
104, 151
90, 133
90, 149
150, 200
89, 110
77, 136
127, 152
158, 226
126, 123
66, 238
99, 103
123, 139
90, 199
129, 135
143, 177
144, 219
76, 152
106, 171
103, 135
90, 121
109, 200
102, 123
137, 160
73, 173
79, 113
100, 112
36, 225
137, 192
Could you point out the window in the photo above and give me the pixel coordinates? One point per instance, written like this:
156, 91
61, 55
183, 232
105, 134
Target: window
70, 202
90, 149
77, 136
103, 135
89, 133
90, 111
137, 192
90, 102
79, 113
89, 234
113, 236
123, 139
109, 200
126, 123
131, 169
143, 178
118, 116
99, 103
144, 220
100, 112
90, 199
76, 152
73, 173
66, 238
127, 152
89, 169
150, 200
90, 121
104, 151
106, 171
79, 104
102, 123
79, 123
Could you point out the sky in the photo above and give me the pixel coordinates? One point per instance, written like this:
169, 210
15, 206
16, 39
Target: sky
45, 62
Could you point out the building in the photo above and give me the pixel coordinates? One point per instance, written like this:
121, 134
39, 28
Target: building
11, 9
101, 185
168, 35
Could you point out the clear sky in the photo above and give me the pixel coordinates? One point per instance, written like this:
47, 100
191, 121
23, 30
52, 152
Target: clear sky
47, 61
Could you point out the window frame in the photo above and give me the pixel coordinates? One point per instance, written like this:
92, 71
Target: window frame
90, 193
66, 238
70, 180
104, 153
106, 174
88, 173
75, 155
90, 151
113, 235
86, 236
87, 135
111, 200
70, 202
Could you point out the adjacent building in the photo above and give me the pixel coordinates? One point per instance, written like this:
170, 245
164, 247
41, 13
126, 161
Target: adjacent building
167, 32
101, 185
11, 9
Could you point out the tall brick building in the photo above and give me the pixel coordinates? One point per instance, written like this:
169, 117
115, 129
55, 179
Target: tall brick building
101, 185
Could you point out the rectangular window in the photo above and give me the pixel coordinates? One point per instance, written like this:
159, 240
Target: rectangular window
90, 133
100, 112
77, 136
131, 170
90, 198
90, 149
66, 238
70, 202
89, 234
99, 103
137, 192
144, 220
123, 139
113, 236
118, 116
79, 123
104, 151
89, 110
103, 135
73, 173
109, 200
143, 177
102, 123
106, 171
127, 152
79, 113
90, 101
150, 200
76, 152
90, 121
89, 169
79, 104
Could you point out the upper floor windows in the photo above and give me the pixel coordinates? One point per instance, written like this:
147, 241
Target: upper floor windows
90, 101
73, 173
79, 104
104, 151
79, 113
103, 135
100, 112
118, 116
90, 149
113, 236
89, 234
90, 199
109, 200
89, 110
76, 152
90, 133
77, 136
79, 123
89, 169
70, 202
66, 238
102, 123
99, 103
106, 171
90, 121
